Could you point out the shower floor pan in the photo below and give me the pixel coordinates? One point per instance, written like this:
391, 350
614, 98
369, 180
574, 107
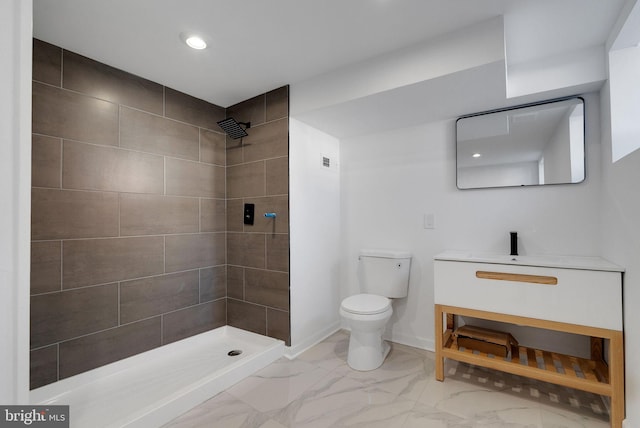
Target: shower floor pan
151, 389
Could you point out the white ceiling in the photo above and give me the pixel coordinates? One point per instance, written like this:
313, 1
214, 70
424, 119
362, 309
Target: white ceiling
259, 45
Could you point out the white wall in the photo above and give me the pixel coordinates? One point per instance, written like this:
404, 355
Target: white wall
390, 180
625, 95
620, 192
15, 185
621, 243
315, 235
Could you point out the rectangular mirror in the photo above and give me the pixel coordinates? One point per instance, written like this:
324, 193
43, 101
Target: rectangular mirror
530, 145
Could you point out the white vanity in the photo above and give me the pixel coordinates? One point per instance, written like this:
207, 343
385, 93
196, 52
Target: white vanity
579, 295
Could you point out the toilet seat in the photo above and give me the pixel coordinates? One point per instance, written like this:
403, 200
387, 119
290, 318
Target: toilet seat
366, 304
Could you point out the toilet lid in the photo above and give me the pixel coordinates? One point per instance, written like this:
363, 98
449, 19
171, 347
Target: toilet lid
366, 304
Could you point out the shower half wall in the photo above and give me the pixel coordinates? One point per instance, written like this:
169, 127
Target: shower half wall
134, 240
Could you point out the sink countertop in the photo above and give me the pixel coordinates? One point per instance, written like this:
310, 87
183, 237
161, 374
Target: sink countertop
557, 261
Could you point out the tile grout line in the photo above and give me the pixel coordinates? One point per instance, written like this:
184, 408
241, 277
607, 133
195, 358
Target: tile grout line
61, 266
61, 68
119, 304
58, 361
61, 163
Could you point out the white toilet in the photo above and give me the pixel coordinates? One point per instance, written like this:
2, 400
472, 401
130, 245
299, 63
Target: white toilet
382, 274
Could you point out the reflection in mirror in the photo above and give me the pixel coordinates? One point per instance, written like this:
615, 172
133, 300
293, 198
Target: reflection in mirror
529, 145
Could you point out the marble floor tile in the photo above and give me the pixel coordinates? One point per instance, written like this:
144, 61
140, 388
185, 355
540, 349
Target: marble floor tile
536, 392
278, 384
338, 401
423, 415
319, 390
223, 411
552, 417
330, 353
404, 372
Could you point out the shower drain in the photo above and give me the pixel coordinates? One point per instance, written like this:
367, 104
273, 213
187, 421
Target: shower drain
234, 352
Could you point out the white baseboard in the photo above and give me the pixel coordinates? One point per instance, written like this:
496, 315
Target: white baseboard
413, 341
402, 339
291, 352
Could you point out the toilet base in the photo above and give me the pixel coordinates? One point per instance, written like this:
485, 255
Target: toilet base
367, 351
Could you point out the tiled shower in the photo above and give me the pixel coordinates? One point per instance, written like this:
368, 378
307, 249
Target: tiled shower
137, 206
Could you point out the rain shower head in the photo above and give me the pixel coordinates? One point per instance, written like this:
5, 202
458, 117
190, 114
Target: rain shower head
233, 128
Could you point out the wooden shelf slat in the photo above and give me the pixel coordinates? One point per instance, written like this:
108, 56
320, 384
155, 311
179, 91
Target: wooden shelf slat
594, 375
548, 362
531, 357
590, 382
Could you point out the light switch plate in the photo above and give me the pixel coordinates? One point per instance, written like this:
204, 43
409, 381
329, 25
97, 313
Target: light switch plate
429, 221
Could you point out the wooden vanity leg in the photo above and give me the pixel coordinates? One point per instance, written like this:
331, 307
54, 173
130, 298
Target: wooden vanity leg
616, 377
597, 348
438, 341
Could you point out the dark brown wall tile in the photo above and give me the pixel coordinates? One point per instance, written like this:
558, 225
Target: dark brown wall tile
213, 283
184, 252
275, 204
61, 113
267, 288
155, 215
246, 180
251, 110
43, 365
213, 216
85, 75
188, 132
278, 252
60, 214
278, 103
154, 134
278, 176
47, 63
68, 314
270, 140
46, 259
235, 215
235, 282
194, 320
246, 249
144, 298
192, 110
186, 178
92, 167
247, 316
46, 161
234, 150
278, 325
89, 352
212, 147
97, 261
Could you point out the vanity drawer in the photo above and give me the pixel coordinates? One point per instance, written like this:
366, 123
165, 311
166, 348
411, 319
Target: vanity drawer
585, 297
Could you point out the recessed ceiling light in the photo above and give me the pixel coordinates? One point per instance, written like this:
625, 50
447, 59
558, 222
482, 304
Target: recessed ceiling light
476, 155
196, 42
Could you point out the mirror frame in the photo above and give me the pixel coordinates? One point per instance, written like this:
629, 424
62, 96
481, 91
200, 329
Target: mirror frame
517, 107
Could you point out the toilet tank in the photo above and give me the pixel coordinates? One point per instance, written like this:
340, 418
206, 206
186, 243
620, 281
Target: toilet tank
384, 272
